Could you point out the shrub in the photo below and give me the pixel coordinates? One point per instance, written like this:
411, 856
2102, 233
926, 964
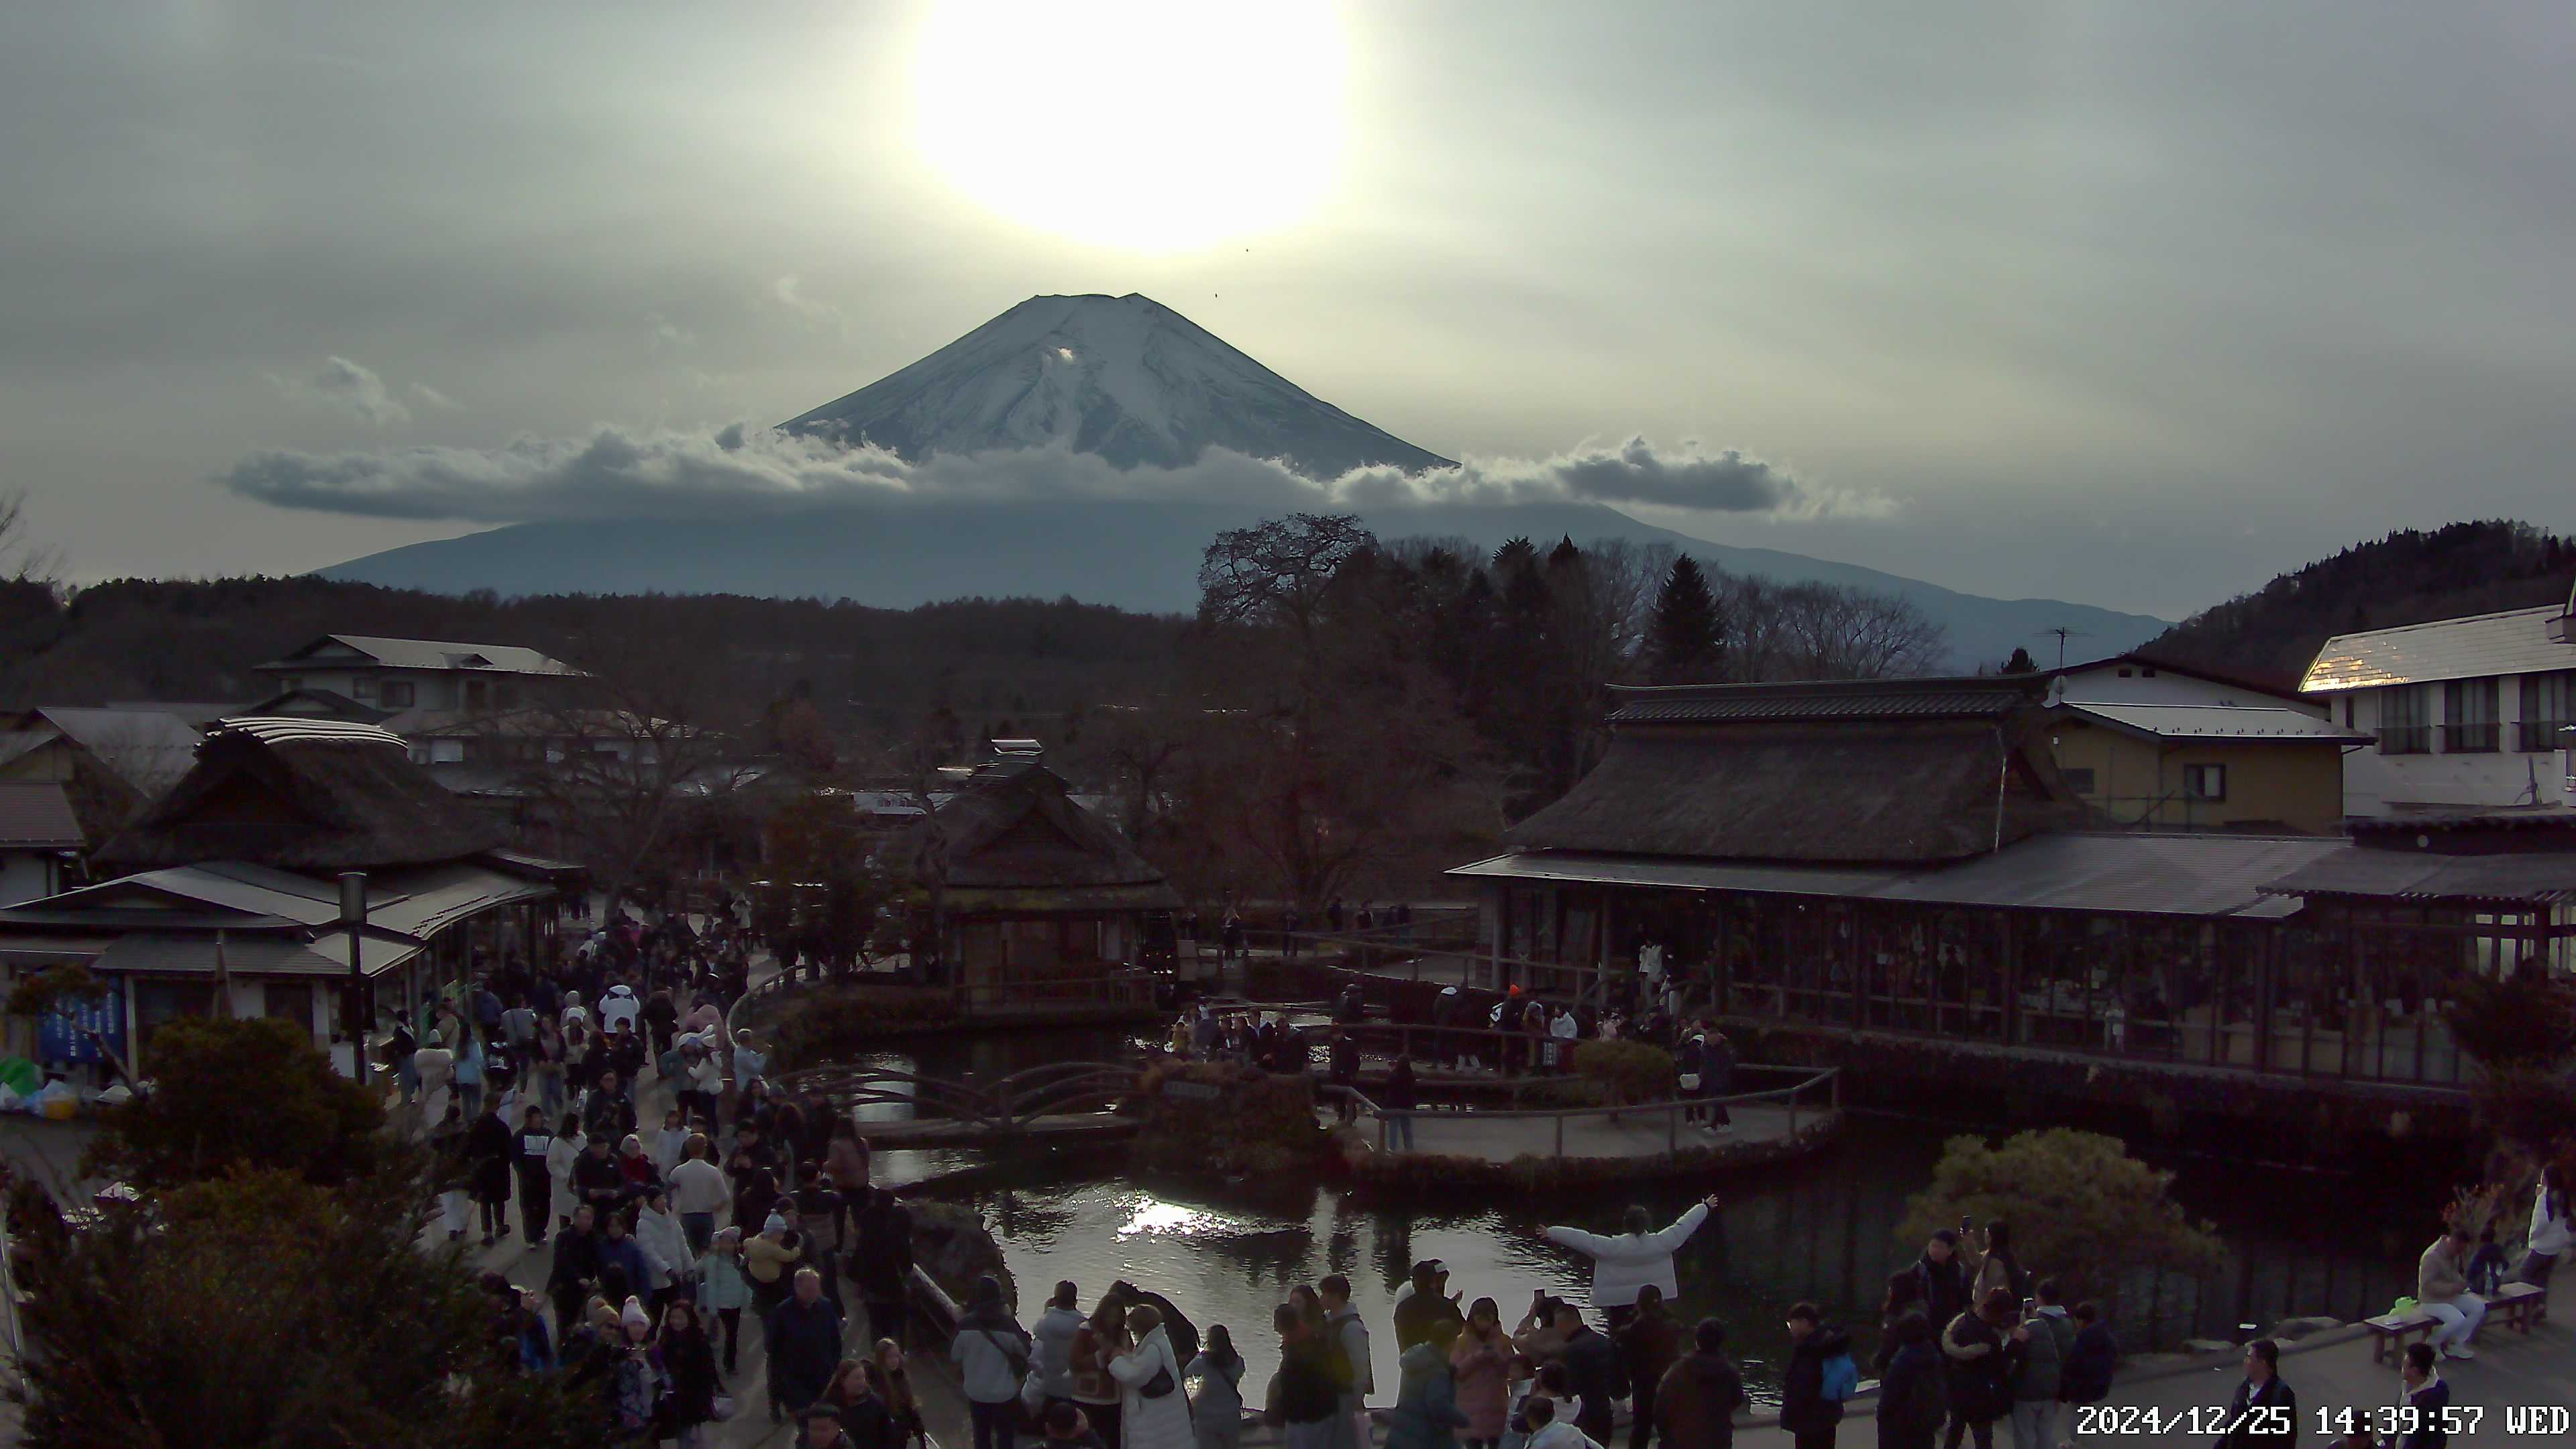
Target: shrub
1628, 1071
1257, 1124
232, 1095
2082, 1209
2522, 1020
829, 1023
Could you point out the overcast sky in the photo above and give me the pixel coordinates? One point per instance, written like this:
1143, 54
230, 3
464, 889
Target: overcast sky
2133, 305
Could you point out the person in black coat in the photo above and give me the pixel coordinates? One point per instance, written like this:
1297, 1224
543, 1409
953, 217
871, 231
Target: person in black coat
884, 1264
1177, 1328
2263, 1410
489, 1150
2428, 1397
688, 1358
1912, 1399
1805, 1412
1593, 1370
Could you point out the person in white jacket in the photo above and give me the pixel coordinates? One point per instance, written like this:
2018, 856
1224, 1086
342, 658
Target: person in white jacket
1148, 1419
1621, 1265
2549, 1236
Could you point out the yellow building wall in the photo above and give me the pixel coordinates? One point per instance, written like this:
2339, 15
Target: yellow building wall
2138, 782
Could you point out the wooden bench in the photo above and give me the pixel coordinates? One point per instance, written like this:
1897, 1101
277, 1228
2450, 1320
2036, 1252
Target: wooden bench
2390, 1333
2516, 1305
2519, 1305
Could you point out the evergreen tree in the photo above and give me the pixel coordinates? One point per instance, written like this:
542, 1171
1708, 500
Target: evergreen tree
2021, 662
1682, 641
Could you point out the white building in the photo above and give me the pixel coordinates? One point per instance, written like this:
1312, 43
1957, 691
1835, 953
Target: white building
2469, 714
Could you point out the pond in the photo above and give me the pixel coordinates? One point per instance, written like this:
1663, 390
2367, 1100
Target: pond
1821, 1229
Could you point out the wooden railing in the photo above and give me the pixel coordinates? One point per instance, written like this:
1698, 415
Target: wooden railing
1826, 1082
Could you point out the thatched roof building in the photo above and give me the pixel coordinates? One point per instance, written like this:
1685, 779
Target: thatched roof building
303, 795
1894, 772
1015, 839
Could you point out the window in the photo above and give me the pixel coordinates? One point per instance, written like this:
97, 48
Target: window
361, 686
2545, 701
397, 694
2469, 716
477, 695
2204, 782
289, 683
2080, 781
2404, 728
2347, 711
447, 752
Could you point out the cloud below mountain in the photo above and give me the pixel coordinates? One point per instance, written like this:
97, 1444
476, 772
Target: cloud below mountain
740, 469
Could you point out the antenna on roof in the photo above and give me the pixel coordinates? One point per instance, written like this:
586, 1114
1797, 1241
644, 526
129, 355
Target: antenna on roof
2063, 634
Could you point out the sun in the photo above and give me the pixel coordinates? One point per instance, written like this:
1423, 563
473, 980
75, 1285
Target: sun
1147, 125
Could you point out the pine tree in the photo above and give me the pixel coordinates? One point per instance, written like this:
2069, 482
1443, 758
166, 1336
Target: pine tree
2021, 662
1682, 641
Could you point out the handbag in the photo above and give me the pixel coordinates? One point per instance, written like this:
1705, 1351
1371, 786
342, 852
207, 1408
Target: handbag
1690, 1081
721, 1407
1159, 1386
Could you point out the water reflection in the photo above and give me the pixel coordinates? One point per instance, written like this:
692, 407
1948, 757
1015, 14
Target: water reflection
1821, 1229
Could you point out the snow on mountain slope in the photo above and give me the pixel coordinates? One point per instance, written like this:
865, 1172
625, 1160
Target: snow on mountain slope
1126, 378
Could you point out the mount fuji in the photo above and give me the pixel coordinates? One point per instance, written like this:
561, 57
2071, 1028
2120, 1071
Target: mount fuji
1125, 378
1135, 384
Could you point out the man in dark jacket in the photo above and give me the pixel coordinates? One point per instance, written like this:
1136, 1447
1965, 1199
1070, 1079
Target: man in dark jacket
1694, 1406
1912, 1398
2428, 1397
1593, 1372
598, 1183
2086, 1378
1944, 1279
1425, 1306
1649, 1343
1805, 1412
804, 1338
2263, 1410
576, 1268
884, 1264
536, 1188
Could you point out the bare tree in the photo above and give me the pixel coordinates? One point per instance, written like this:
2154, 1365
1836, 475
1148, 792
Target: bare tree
1278, 571
22, 561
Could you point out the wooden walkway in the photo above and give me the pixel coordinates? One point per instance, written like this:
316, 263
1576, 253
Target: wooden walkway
1064, 1127
1636, 1135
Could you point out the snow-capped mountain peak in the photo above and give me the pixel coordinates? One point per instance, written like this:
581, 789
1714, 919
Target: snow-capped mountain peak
1126, 378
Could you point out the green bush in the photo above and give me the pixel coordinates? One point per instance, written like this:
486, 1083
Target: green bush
1628, 1071
2524, 1020
829, 1023
2082, 1209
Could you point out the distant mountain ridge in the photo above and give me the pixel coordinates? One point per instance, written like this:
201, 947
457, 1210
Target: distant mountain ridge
1138, 384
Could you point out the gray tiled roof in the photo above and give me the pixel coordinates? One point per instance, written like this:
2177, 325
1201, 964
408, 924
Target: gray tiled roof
37, 815
2514, 642
1905, 699
428, 654
2221, 722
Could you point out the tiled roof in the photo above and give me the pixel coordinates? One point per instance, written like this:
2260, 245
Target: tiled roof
1891, 699
428, 654
37, 816
2221, 722
2514, 642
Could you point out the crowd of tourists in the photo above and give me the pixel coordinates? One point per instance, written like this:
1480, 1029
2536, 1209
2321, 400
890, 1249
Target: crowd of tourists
739, 1201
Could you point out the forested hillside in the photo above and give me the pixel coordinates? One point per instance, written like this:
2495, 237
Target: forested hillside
2408, 577
989, 660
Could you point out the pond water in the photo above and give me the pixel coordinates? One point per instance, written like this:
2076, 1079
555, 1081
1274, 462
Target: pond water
1820, 1229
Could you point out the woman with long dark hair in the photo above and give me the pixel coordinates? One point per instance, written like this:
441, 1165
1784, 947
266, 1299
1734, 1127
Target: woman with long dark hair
688, 1360
1483, 1365
1216, 1413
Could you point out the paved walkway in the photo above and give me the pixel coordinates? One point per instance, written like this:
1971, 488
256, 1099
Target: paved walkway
2512, 1373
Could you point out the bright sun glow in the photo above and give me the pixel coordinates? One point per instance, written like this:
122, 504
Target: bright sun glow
1153, 125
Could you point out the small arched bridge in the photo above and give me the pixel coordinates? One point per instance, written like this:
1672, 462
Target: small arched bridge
1055, 1102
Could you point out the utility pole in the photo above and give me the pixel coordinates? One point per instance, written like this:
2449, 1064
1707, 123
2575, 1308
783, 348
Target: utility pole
353, 916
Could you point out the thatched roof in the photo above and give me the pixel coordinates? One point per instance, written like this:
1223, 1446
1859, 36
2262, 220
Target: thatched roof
302, 795
1014, 827
1907, 772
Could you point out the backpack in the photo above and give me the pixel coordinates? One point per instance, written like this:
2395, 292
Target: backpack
1841, 1378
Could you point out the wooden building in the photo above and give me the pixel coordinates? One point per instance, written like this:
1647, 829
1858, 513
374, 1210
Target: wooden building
1896, 871
231, 885
1041, 900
